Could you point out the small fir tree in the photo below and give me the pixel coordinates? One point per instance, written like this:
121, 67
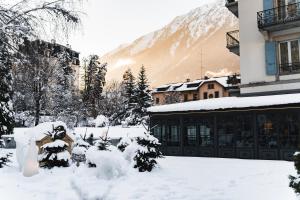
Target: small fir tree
124, 142
79, 150
295, 180
147, 153
55, 153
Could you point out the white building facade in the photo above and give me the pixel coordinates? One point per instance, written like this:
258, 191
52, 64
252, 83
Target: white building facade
268, 45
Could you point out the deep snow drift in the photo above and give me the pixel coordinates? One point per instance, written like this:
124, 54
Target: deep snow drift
178, 178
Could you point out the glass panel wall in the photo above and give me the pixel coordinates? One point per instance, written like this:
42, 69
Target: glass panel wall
289, 130
226, 130
191, 135
206, 138
157, 132
267, 130
174, 135
244, 133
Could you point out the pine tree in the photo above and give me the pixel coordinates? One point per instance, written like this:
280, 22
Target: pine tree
143, 93
55, 153
129, 86
295, 180
147, 153
79, 150
124, 142
94, 79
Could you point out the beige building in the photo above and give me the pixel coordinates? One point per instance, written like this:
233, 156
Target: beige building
207, 88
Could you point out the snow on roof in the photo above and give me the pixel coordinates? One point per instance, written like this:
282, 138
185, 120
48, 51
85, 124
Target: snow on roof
227, 103
190, 86
114, 132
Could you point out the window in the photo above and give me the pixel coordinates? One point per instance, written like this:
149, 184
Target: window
289, 56
185, 97
205, 95
206, 133
174, 136
217, 94
244, 133
157, 100
211, 86
289, 130
267, 130
195, 96
157, 132
226, 130
191, 135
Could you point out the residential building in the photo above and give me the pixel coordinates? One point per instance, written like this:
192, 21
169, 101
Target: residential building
207, 88
268, 44
262, 123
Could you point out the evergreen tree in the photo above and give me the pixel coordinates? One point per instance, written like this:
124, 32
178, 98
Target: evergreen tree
143, 93
79, 150
295, 180
129, 86
6, 113
124, 142
94, 79
147, 153
55, 153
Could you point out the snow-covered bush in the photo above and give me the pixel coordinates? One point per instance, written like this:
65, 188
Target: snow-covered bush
108, 164
79, 150
147, 153
100, 145
295, 180
55, 153
124, 142
101, 121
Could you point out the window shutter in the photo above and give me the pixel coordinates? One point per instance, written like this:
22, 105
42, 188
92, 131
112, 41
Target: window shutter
271, 64
268, 4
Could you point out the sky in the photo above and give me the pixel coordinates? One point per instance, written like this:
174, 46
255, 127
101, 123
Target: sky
108, 24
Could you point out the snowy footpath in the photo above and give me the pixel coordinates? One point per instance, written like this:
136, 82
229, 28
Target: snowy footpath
177, 178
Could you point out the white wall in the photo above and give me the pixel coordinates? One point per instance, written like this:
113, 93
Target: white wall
252, 44
271, 88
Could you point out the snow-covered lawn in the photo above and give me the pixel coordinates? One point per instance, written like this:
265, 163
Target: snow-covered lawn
178, 178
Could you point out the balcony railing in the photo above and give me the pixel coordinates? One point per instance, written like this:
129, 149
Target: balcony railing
233, 41
289, 68
283, 17
232, 5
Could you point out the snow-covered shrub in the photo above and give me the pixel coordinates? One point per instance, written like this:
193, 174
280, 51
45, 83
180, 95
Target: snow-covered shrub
147, 153
108, 164
124, 142
79, 150
100, 145
55, 153
295, 180
101, 121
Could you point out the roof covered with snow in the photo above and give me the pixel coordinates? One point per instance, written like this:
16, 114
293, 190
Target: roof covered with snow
228, 103
191, 85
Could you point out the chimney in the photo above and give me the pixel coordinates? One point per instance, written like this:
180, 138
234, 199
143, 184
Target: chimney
188, 80
206, 78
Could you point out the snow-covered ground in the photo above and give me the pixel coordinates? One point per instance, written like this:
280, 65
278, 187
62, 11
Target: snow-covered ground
178, 178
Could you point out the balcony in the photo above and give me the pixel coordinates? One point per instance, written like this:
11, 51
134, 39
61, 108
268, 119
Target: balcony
289, 68
280, 18
233, 6
233, 41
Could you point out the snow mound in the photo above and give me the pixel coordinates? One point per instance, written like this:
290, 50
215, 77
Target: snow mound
109, 164
56, 143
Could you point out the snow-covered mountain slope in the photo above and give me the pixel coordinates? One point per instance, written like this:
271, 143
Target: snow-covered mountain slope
192, 45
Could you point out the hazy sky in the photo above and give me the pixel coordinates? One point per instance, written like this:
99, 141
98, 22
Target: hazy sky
110, 23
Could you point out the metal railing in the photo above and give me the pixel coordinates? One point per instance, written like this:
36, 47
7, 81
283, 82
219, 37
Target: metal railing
233, 39
279, 15
289, 68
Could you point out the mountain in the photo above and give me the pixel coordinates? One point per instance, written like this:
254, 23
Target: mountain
192, 45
